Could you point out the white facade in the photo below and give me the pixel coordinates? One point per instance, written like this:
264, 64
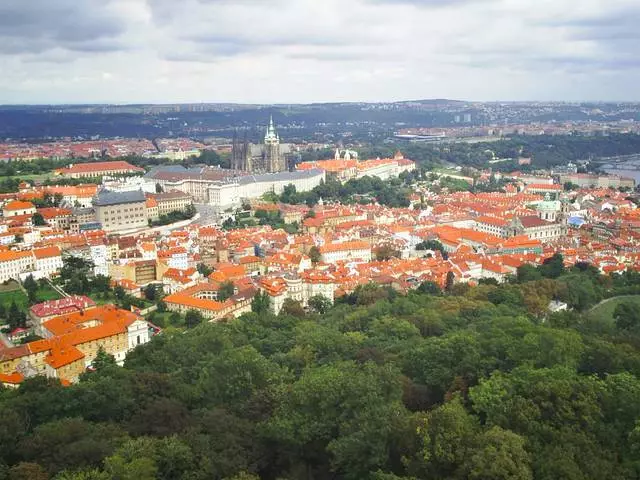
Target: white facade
99, 256
301, 291
129, 184
179, 261
137, 334
14, 265
48, 266
229, 194
360, 254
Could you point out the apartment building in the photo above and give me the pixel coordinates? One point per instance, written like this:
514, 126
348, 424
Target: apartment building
72, 342
356, 251
140, 272
98, 169
172, 201
12, 264
121, 211
300, 288
16, 208
47, 261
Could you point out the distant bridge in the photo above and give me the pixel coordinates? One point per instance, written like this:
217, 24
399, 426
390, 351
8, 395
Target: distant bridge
620, 162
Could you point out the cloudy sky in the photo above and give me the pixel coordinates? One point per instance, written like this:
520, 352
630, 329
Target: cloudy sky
266, 51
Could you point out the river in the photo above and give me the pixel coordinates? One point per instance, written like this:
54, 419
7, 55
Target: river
631, 172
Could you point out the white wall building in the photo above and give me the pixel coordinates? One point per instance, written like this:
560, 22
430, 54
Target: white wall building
48, 261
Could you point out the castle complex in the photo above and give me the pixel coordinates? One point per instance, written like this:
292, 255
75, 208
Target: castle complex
268, 157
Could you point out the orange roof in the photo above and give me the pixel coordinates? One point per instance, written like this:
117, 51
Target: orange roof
18, 205
62, 355
333, 166
77, 322
86, 190
10, 255
97, 167
52, 212
12, 378
339, 247
543, 186
249, 259
496, 221
187, 300
47, 252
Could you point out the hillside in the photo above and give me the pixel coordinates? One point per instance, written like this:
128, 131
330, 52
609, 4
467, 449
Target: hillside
473, 383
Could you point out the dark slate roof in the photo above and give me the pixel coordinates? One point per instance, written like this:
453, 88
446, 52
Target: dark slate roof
106, 197
281, 176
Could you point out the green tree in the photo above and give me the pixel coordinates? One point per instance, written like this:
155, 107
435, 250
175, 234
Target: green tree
71, 443
204, 270
151, 292
260, 302
17, 317
430, 288
385, 253
226, 290
27, 471
350, 414
293, 308
103, 360
176, 319
119, 293
38, 220
500, 455
319, 304
31, 286
450, 281
527, 273
627, 316
315, 255
193, 318
553, 267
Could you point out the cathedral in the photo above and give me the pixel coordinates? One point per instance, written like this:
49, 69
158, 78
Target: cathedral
267, 157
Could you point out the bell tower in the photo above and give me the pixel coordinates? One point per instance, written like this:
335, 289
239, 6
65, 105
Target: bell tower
274, 161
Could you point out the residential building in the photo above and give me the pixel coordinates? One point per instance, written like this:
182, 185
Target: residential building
98, 169
16, 208
121, 211
299, 288
352, 251
47, 261
141, 272
72, 341
13, 264
172, 201
42, 312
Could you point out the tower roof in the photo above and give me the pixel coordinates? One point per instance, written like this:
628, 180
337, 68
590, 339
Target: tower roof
271, 135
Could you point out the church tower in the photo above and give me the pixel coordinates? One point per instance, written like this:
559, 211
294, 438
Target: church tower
274, 160
240, 152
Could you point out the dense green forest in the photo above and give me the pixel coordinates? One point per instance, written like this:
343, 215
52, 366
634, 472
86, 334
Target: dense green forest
393, 192
477, 383
545, 150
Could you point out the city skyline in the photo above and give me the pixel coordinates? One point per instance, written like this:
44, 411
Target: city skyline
156, 51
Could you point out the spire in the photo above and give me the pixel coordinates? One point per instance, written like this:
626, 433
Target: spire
271, 135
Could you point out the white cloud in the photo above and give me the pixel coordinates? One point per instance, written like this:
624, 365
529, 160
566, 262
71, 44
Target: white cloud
309, 50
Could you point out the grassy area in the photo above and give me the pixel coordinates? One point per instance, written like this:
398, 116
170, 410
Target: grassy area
36, 177
9, 286
604, 311
47, 293
110, 299
18, 296
12, 293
